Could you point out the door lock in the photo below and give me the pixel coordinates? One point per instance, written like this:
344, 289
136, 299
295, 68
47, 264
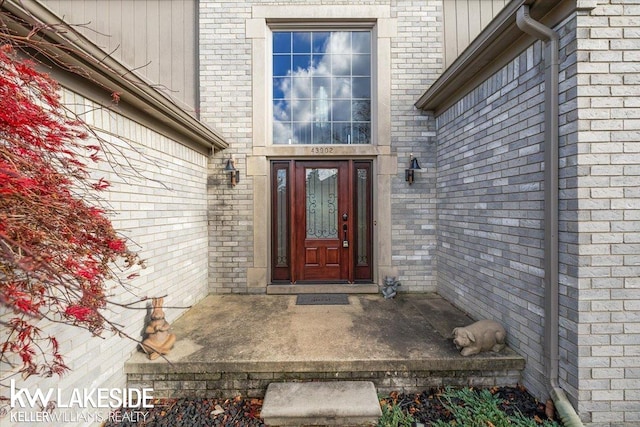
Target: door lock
345, 242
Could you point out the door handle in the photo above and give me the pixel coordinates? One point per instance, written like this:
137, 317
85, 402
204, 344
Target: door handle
345, 241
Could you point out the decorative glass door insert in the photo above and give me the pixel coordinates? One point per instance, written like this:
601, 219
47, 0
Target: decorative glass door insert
322, 203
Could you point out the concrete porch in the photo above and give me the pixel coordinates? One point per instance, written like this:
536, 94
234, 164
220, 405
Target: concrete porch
238, 344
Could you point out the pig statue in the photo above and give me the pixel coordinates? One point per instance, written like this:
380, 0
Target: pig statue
483, 335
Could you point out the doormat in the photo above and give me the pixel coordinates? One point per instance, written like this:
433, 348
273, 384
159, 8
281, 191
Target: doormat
322, 299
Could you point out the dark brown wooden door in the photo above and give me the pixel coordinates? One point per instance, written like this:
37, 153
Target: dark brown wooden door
321, 221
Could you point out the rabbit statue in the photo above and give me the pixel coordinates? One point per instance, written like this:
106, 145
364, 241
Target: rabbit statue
159, 340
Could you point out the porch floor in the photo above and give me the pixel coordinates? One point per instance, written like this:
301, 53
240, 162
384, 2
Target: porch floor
237, 344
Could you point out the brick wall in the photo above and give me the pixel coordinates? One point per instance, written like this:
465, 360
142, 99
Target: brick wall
158, 197
416, 63
254, 384
607, 184
490, 206
226, 103
490, 214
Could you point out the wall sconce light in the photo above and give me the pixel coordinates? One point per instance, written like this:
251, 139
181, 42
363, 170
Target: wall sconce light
413, 166
234, 173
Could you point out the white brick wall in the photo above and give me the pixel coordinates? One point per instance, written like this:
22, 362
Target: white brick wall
226, 103
416, 63
162, 209
608, 159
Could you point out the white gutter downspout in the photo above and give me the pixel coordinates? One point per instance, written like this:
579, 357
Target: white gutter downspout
551, 312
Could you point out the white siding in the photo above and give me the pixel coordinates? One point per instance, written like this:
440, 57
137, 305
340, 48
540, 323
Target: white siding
157, 38
463, 21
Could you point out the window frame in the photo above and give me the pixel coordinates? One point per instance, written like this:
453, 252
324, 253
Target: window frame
321, 26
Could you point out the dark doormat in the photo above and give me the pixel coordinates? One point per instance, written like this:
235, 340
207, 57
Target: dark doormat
322, 299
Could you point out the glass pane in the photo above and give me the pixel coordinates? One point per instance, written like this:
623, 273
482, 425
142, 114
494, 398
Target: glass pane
281, 219
361, 133
361, 42
281, 87
302, 133
339, 42
301, 110
341, 111
321, 65
282, 42
322, 203
321, 106
341, 87
341, 65
361, 65
302, 42
341, 133
361, 87
321, 133
361, 111
281, 65
362, 209
282, 111
301, 87
282, 133
320, 40
321, 88
301, 63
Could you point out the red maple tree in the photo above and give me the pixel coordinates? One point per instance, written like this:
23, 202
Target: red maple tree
58, 248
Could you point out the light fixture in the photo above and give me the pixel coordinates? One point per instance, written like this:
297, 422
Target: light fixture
413, 166
234, 173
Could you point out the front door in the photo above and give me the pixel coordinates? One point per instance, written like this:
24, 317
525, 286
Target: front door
321, 221
321, 231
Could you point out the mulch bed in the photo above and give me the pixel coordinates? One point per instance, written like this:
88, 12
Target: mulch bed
425, 408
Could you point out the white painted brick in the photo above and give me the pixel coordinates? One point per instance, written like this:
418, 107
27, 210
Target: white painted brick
99, 363
610, 395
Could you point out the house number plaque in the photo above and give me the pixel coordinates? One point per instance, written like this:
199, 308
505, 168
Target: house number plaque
323, 150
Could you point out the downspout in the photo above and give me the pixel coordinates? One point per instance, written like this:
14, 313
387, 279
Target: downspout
566, 412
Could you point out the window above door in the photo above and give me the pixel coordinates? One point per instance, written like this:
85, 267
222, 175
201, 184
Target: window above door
293, 49
321, 87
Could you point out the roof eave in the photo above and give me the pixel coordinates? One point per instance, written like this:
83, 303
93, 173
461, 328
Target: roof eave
107, 72
501, 35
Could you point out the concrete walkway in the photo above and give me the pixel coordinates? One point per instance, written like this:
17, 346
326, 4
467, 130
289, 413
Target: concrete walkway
271, 334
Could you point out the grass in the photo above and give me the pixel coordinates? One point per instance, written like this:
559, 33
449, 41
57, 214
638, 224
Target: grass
394, 416
468, 408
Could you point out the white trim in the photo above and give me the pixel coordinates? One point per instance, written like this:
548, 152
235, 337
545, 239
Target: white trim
311, 25
339, 13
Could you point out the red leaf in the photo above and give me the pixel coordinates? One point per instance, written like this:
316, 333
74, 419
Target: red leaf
102, 184
78, 312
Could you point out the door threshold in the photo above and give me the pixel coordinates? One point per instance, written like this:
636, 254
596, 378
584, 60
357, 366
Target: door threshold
329, 288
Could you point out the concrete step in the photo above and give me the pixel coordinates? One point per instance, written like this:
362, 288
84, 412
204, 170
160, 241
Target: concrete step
343, 403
